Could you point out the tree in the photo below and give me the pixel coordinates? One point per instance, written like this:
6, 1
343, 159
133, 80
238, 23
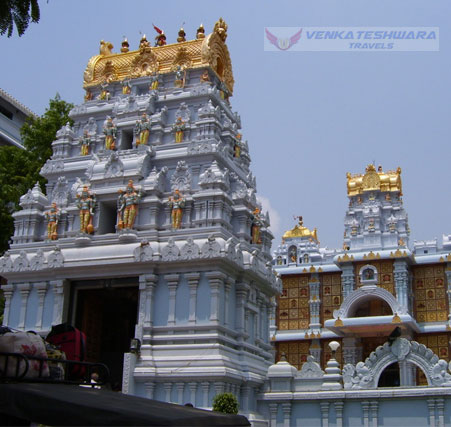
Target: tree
19, 169
225, 403
18, 12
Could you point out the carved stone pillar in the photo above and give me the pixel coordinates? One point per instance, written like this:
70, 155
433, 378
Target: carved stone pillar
58, 301
315, 303
286, 408
324, 413
192, 393
406, 374
448, 291
365, 412
193, 282
205, 390
24, 289
401, 275
8, 291
374, 406
173, 282
216, 280
150, 388
147, 285
245, 391
241, 292
41, 289
347, 279
180, 388
273, 408
227, 287
167, 391
339, 413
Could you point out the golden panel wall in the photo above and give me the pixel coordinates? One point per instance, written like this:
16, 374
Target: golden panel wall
439, 344
385, 273
330, 295
431, 302
296, 352
293, 311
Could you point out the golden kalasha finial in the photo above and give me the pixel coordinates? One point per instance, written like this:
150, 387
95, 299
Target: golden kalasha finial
181, 38
143, 43
125, 46
200, 32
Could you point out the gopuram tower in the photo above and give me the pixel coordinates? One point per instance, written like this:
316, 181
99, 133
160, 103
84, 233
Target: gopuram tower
150, 231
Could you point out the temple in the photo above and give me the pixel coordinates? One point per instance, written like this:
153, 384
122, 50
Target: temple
150, 238
150, 231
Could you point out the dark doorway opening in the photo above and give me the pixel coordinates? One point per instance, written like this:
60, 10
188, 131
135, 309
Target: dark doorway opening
373, 307
390, 376
108, 317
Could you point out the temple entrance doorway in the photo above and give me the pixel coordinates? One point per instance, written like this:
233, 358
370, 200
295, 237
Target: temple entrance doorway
106, 311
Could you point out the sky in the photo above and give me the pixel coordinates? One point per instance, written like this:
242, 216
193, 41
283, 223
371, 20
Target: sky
308, 117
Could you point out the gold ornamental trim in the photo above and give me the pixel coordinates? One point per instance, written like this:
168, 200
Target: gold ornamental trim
398, 254
211, 51
345, 258
374, 180
371, 255
300, 231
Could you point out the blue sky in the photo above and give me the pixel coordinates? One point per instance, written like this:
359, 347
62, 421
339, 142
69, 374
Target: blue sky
309, 117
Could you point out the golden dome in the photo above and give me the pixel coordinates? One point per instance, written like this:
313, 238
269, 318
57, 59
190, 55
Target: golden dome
300, 231
374, 180
205, 51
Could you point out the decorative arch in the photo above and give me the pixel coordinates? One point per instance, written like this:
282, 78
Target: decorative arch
364, 294
366, 374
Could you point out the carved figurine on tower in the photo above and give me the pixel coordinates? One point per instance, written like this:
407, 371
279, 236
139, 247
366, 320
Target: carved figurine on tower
176, 203
128, 206
86, 204
179, 128
160, 39
154, 81
126, 88
180, 76
142, 130
256, 226
110, 132
52, 217
85, 142
237, 146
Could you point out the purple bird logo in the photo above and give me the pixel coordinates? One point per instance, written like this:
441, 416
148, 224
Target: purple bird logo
283, 44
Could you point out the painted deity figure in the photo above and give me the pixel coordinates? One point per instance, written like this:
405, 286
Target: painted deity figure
128, 206
179, 127
86, 203
205, 77
237, 146
142, 130
176, 203
126, 87
179, 77
52, 216
88, 95
224, 92
110, 132
85, 142
154, 81
104, 93
256, 226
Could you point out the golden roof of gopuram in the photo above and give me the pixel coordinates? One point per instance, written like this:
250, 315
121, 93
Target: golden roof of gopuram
205, 51
374, 180
300, 231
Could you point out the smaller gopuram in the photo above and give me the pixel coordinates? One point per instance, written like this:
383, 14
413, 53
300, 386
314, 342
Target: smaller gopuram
149, 236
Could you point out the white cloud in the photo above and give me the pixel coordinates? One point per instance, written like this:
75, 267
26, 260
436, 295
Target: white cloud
273, 214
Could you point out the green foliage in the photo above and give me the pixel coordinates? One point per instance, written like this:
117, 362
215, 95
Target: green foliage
19, 169
18, 12
38, 133
225, 403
